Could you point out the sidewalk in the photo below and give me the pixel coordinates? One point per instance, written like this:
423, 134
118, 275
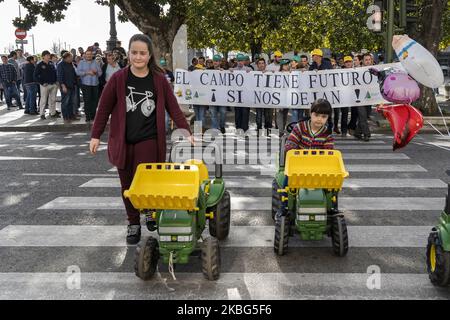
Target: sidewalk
16, 120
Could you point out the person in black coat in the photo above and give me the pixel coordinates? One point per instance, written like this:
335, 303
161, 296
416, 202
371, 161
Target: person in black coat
32, 87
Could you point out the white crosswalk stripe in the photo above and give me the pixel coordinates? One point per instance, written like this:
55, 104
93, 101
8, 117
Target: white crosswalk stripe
270, 169
266, 183
259, 203
249, 236
250, 286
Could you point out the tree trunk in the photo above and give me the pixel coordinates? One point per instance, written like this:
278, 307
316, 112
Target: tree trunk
146, 16
162, 44
429, 37
256, 48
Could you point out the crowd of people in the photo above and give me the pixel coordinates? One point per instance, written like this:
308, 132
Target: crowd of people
75, 74
267, 119
86, 72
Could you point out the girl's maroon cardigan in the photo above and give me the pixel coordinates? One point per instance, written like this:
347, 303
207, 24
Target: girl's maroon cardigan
112, 102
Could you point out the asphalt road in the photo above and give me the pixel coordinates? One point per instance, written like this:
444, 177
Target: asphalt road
60, 211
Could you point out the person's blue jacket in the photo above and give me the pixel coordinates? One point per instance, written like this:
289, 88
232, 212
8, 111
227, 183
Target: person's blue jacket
326, 65
45, 73
28, 73
66, 74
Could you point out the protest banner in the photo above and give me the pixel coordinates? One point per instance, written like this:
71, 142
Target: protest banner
296, 89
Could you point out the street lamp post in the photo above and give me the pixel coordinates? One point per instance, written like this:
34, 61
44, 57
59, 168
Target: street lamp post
20, 17
112, 42
32, 36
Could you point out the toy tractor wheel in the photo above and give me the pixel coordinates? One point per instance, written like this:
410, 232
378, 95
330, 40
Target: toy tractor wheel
211, 258
339, 236
276, 201
282, 228
438, 261
219, 226
146, 258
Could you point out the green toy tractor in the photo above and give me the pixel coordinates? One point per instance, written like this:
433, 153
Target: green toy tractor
438, 249
305, 198
180, 199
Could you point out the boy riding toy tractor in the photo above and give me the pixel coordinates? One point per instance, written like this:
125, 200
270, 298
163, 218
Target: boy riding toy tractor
306, 185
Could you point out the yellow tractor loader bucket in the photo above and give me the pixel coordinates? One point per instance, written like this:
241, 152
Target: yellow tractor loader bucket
170, 186
315, 169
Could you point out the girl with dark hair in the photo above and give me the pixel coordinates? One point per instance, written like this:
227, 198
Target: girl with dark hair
136, 97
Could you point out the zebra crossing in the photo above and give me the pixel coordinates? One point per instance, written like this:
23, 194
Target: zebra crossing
382, 187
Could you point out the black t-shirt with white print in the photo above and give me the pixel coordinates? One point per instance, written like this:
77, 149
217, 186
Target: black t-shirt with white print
141, 108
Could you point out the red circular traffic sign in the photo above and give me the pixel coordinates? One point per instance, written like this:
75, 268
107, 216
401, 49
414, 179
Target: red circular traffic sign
20, 34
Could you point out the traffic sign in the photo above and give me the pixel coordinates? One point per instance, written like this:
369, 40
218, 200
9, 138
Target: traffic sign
18, 41
20, 33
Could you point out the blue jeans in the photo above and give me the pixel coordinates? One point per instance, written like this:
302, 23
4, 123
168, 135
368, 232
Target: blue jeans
68, 100
200, 114
218, 114
10, 93
30, 101
297, 115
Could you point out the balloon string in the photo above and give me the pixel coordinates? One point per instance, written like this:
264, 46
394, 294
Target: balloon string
443, 119
435, 128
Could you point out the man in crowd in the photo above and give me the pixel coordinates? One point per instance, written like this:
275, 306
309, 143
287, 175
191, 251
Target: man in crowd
45, 75
248, 62
89, 71
267, 112
194, 62
21, 61
275, 65
304, 63
362, 128
67, 80
8, 78
13, 60
108, 69
30, 86
202, 61
348, 64
81, 52
118, 57
218, 113
241, 114
319, 63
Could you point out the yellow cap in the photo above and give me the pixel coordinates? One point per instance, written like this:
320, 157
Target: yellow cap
317, 52
348, 58
278, 53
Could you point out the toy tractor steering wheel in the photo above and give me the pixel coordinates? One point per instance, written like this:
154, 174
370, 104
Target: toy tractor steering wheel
290, 127
186, 145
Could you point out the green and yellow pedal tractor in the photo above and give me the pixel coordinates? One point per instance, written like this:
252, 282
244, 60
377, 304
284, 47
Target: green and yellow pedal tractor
438, 248
180, 198
306, 186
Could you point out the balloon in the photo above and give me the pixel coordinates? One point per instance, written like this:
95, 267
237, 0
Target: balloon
405, 120
397, 86
418, 61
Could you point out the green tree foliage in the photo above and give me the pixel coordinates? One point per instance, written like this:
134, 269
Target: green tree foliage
269, 25
445, 41
160, 19
234, 24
